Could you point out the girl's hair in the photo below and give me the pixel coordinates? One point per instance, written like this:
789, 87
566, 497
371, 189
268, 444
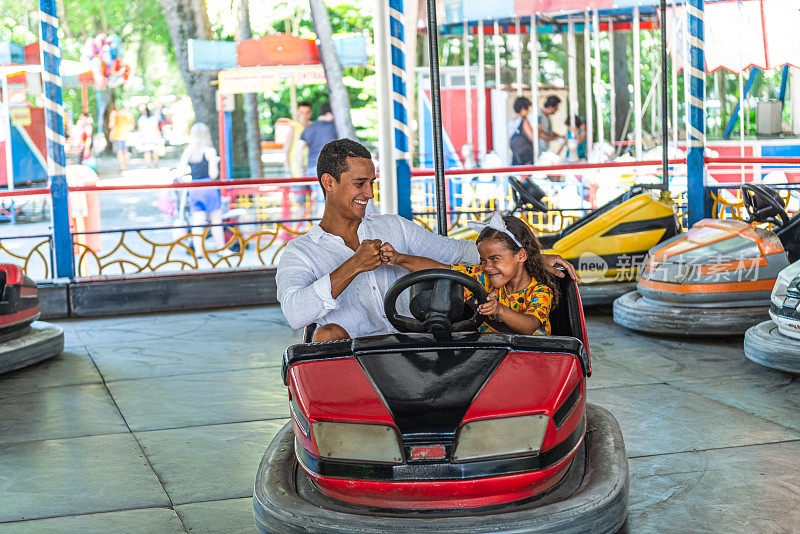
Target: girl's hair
535, 263
199, 140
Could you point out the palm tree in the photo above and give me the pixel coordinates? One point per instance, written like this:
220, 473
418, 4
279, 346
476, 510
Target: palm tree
337, 92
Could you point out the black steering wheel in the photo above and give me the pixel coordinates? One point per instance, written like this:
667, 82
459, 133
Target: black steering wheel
525, 192
437, 314
764, 205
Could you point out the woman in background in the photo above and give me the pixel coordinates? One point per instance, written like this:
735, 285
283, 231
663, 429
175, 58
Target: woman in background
200, 159
150, 136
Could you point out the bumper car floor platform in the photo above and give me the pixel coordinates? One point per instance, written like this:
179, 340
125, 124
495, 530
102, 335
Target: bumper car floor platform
30, 344
592, 496
634, 311
765, 345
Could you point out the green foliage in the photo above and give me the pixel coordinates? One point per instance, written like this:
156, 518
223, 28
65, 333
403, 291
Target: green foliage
18, 21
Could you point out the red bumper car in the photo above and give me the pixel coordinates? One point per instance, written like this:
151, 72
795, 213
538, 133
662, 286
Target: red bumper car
23, 340
443, 429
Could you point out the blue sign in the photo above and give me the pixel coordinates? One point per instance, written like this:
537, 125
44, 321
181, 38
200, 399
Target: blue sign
212, 55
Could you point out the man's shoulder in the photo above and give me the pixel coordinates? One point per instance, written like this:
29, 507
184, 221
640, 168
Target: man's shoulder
387, 220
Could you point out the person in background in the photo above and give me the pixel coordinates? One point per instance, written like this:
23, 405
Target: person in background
316, 135
545, 124
294, 151
521, 134
120, 124
80, 137
200, 159
579, 134
151, 137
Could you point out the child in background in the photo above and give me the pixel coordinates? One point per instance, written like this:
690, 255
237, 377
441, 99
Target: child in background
512, 270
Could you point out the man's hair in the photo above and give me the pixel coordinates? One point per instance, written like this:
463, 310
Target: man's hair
552, 101
521, 103
306, 104
324, 108
333, 158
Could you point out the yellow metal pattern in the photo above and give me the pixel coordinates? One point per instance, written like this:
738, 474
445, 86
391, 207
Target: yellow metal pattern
134, 252
37, 259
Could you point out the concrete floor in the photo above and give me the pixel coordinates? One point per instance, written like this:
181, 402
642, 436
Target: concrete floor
157, 424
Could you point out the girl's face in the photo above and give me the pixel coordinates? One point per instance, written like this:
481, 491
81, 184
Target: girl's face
499, 263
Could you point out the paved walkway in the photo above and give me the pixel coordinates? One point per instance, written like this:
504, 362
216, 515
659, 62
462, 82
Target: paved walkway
157, 424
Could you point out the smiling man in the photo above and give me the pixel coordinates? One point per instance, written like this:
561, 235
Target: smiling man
333, 274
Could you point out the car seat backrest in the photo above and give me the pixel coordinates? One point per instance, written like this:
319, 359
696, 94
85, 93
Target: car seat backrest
565, 317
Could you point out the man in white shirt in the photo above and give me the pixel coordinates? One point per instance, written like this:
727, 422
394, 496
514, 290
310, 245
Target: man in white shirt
333, 274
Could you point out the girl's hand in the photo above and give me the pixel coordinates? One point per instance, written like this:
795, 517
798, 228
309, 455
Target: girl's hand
491, 306
389, 255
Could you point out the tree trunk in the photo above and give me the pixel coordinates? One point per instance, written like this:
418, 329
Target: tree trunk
239, 132
722, 88
188, 19
580, 60
622, 80
337, 92
253, 132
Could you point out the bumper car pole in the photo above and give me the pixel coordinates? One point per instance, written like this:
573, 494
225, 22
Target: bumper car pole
698, 208
664, 111
436, 105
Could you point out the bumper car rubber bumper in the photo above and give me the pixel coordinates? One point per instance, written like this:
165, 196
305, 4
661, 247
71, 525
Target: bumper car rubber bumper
765, 345
601, 293
592, 497
633, 311
33, 344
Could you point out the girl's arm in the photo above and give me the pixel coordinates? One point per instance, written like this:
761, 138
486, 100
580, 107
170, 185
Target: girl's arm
526, 129
413, 263
518, 322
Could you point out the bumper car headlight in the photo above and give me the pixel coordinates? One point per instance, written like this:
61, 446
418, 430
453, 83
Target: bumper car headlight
509, 436
783, 282
349, 441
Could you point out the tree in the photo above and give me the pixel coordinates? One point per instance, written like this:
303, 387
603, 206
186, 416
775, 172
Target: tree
622, 82
340, 100
188, 19
253, 132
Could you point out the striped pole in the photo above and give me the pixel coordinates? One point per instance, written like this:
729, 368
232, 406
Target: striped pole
698, 207
401, 131
54, 132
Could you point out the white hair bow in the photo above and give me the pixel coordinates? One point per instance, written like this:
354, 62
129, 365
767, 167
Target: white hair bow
496, 222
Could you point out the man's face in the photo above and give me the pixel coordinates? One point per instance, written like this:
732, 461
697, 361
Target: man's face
349, 196
304, 114
549, 110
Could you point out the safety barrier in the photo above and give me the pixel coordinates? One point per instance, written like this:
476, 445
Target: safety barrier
270, 212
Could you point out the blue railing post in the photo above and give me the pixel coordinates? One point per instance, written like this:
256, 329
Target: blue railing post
402, 156
54, 132
228, 129
699, 208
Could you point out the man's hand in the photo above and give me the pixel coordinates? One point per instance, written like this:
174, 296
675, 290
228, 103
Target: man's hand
368, 255
554, 260
389, 255
491, 306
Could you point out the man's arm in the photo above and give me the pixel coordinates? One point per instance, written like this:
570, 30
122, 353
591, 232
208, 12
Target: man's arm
448, 250
299, 154
421, 242
546, 136
305, 298
287, 150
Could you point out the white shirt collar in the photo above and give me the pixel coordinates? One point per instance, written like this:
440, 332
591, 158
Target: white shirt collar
316, 232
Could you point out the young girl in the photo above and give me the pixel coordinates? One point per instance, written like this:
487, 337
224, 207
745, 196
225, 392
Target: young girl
521, 289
